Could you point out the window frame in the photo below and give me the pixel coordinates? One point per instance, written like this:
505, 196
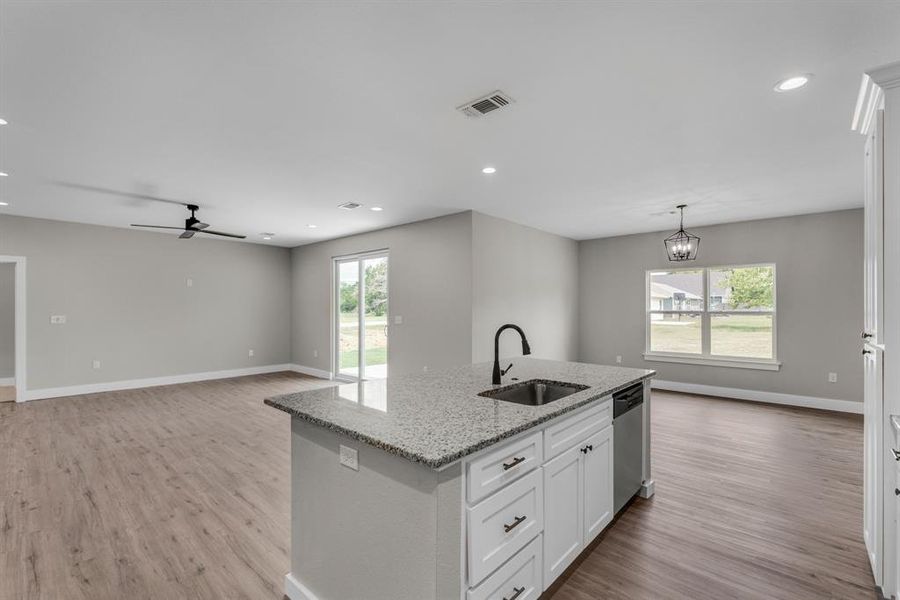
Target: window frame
705, 357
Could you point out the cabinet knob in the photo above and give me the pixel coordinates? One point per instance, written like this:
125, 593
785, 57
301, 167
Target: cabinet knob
866, 351
513, 462
896, 492
516, 522
518, 592
866, 335
896, 453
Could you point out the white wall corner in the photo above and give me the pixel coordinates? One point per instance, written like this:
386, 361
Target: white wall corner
847, 406
295, 590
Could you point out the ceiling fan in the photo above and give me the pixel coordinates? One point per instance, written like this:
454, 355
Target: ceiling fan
193, 225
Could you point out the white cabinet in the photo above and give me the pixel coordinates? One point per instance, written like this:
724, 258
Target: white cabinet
597, 466
504, 523
877, 116
535, 502
578, 500
563, 514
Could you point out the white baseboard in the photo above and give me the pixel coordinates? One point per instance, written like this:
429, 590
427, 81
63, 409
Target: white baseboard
295, 590
112, 386
7, 381
757, 396
320, 373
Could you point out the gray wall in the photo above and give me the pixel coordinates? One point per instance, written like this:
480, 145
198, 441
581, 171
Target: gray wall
819, 266
528, 277
429, 285
7, 320
125, 297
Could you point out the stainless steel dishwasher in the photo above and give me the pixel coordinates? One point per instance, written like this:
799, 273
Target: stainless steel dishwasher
628, 443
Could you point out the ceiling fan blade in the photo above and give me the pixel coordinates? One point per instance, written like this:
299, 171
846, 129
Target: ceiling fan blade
188, 234
222, 233
201, 225
157, 226
102, 190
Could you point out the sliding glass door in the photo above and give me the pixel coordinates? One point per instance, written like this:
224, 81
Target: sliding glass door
361, 316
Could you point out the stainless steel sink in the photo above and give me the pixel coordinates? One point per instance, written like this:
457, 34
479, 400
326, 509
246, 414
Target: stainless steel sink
534, 392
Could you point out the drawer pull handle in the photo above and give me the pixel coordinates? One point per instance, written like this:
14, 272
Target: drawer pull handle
896, 453
896, 492
588, 448
513, 463
518, 592
516, 522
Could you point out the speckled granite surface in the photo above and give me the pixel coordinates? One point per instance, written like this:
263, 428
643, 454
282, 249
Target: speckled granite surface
437, 418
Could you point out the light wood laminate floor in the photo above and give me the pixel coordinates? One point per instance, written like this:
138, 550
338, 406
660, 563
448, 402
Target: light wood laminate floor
183, 492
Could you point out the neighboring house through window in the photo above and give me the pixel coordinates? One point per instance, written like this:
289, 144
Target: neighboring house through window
716, 315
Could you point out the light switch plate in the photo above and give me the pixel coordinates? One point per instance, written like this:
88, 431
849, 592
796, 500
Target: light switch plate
832, 378
619, 359
96, 364
398, 320
350, 457
57, 319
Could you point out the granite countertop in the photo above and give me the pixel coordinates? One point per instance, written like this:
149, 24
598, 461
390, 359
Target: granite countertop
437, 418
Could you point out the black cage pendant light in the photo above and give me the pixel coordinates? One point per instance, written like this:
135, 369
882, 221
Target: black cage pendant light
682, 245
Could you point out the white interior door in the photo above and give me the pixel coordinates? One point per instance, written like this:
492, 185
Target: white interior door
361, 316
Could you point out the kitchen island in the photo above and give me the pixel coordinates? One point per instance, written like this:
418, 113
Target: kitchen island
416, 487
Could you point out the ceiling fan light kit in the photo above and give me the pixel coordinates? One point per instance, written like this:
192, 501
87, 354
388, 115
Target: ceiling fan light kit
193, 225
681, 245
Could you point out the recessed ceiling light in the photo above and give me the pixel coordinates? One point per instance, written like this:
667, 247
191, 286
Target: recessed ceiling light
4, 203
376, 208
489, 170
311, 226
2, 121
2, 174
793, 83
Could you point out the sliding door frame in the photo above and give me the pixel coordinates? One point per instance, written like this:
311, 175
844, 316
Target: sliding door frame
360, 258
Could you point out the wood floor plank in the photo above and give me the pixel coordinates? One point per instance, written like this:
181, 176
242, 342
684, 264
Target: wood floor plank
183, 492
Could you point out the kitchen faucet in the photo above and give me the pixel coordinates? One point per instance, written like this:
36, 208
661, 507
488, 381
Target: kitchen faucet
526, 349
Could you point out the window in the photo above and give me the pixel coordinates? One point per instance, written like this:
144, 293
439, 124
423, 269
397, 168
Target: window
717, 315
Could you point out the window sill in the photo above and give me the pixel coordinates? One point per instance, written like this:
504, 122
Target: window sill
738, 363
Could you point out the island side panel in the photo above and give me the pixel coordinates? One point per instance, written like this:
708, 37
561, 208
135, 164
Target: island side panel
383, 532
647, 487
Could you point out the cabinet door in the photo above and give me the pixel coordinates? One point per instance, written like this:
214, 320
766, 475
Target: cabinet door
873, 464
563, 528
598, 483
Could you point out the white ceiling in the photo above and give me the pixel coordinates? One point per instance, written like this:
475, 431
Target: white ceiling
269, 115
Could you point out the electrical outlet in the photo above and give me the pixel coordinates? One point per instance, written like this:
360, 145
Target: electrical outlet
96, 364
57, 319
398, 320
190, 282
350, 457
619, 359
250, 352
832, 378
315, 354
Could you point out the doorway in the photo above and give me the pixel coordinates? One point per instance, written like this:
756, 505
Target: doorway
12, 328
361, 316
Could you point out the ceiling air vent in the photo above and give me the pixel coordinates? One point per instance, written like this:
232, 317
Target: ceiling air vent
349, 205
482, 106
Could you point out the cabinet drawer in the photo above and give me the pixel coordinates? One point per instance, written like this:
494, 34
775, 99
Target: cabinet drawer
518, 579
503, 465
570, 431
503, 524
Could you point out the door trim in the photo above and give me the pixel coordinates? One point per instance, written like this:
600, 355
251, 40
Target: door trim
19, 263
